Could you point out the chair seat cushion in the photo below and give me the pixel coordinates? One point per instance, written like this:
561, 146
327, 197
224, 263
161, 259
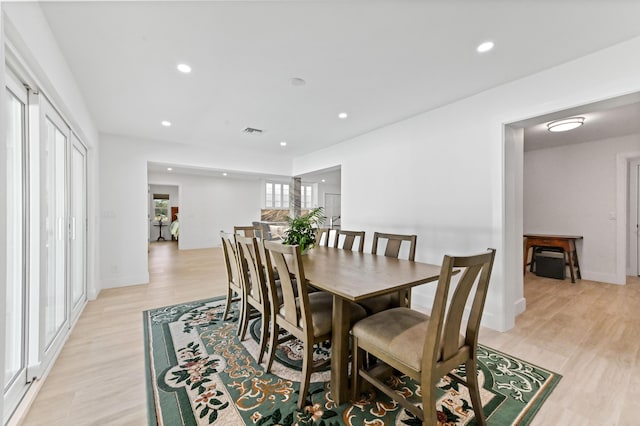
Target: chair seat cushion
321, 312
399, 333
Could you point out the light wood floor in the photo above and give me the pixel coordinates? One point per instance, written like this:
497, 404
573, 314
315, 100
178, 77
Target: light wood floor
588, 332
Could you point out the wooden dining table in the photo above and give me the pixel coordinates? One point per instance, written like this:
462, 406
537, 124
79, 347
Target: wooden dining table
352, 277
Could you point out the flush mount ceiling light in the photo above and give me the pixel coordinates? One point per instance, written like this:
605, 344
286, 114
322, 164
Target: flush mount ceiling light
565, 124
283, 143
485, 47
166, 123
169, 168
224, 174
184, 68
342, 115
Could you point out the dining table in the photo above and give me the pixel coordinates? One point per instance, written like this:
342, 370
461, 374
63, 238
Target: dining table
352, 277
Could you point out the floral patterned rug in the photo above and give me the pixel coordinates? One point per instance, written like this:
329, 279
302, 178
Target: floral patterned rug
199, 373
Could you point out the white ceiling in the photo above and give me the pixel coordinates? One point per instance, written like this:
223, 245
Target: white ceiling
607, 119
330, 176
380, 61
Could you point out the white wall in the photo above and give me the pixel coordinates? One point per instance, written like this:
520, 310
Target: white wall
571, 190
209, 205
123, 193
326, 188
442, 175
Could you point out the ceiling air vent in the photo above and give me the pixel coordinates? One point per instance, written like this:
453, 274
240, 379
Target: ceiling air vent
251, 131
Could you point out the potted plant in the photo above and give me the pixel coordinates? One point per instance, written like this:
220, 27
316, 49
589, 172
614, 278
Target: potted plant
302, 229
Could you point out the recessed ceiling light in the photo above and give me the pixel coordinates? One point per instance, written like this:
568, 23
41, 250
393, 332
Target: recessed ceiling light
166, 123
565, 124
485, 47
224, 174
297, 81
169, 168
324, 180
283, 143
184, 68
343, 115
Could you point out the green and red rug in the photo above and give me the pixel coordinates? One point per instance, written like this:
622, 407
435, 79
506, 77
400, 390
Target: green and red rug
199, 373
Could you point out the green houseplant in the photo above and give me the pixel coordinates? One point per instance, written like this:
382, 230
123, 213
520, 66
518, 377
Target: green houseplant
302, 229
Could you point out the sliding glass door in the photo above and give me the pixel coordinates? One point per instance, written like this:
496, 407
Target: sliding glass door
54, 225
46, 244
16, 288
77, 226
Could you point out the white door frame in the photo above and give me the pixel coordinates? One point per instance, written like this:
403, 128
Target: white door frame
624, 162
20, 385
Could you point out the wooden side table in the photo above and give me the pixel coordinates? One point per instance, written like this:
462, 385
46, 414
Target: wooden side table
565, 242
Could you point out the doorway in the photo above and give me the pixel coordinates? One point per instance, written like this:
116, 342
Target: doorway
327, 184
590, 165
164, 224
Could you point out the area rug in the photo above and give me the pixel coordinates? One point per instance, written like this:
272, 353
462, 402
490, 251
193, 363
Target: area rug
199, 373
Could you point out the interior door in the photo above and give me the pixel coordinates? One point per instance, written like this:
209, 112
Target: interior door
16, 323
332, 209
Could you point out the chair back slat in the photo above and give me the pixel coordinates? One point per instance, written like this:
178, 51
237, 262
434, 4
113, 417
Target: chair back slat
349, 239
322, 237
394, 243
443, 335
288, 264
230, 258
252, 269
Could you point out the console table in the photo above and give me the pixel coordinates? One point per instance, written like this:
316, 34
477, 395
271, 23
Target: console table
565, 242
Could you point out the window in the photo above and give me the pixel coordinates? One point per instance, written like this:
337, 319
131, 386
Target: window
306, 196
276, 195
160, 207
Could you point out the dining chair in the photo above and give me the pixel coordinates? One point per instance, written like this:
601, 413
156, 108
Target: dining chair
429, 347
307, 316
255, 287
234, 283
394, 242
349, 239
322, 236
245, 231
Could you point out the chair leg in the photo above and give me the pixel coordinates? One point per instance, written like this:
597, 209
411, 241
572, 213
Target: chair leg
429, 413
227, 304
264, 331
474, 391
243, 313
275, 330
307, 366
356, 365
244, 319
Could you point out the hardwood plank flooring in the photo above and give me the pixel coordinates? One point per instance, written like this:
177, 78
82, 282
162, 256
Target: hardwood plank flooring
589, 332
99, 377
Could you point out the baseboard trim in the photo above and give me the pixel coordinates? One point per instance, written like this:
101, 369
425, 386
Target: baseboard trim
520, 306
124, 281
604, 278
